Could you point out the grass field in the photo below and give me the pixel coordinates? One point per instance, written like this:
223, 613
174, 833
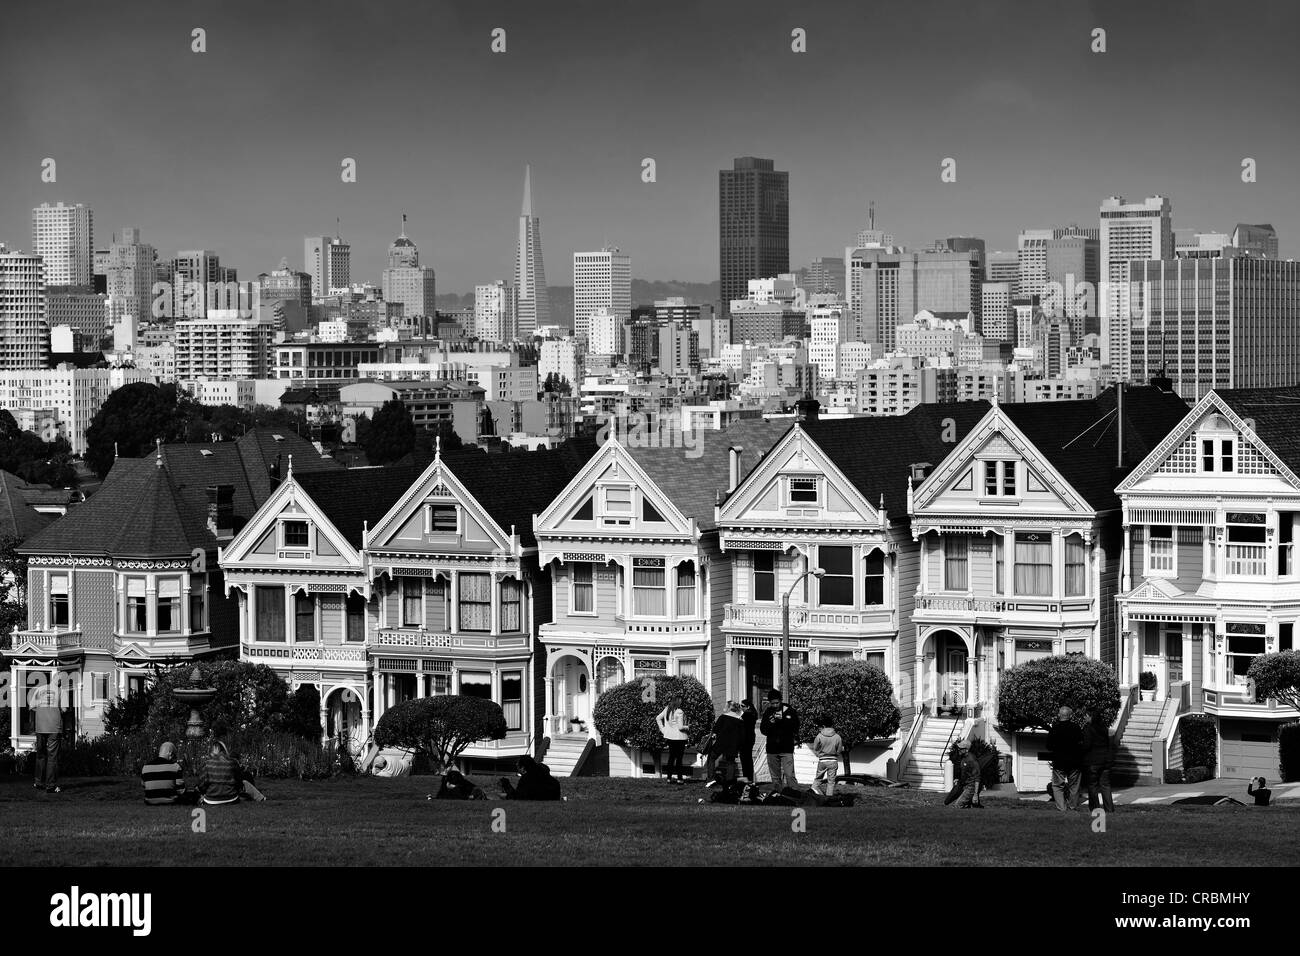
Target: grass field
369, 821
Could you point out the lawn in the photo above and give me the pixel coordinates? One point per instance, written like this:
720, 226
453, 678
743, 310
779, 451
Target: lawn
370, 821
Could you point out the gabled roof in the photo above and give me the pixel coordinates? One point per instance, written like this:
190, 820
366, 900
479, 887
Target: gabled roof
18, 519
876, 454
693, 483
1274, 412
357, 497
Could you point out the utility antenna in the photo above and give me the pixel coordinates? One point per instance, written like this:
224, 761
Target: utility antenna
871, 216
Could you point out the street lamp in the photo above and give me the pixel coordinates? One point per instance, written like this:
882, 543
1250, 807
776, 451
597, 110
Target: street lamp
785, 629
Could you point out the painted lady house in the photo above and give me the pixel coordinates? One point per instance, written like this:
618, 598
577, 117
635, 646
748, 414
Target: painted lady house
830, 497
639, 584
1020, 539
458, 589
1210, 580
128, 582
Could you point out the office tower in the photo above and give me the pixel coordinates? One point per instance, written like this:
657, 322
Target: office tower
24, 335
871, 236
284, 298
963, 244
679, 348
1230, 321
85, 312
130, 270
1073, 270
1259, 241
63, 236
1003, 267
1025, 314
329, 263
198, 283
888, 287
532, 302
601, 280
641, 338
825, 274
494, 312
753, 225
998, 317
829, 328
1129, 231
1031, 252
406, 281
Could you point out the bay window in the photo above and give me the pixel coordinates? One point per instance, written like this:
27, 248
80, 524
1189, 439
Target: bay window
476, 684
512, 599
1242, 649
304, 618
198, 595
836, 586
270, 613
1076, 566
999, 563
1033, 564
512, 699
412, 602
584, 589
764, 576
956, 555
475, 602
1160, 549
355, 612
649, 588
169, 605
137, 606
873, 578
686, 589
1247, 550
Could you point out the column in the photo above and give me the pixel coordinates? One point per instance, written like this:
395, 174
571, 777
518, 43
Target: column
1125, 561
496, 580
151, 605
776, 669
455, 603
972, 680
548, 714
15, 702
324, 713
918, 695
419, 684
185, 604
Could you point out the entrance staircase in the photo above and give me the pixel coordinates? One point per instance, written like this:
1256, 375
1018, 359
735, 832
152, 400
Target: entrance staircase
1132, 764
566, 754
929, 753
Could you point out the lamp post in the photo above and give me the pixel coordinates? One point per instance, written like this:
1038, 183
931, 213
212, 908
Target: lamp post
785, 630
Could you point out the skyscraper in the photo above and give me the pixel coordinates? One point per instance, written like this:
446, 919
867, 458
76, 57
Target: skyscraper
1072, 261
63, 236
601, 280
406, 281
494, 312
1259, 241
753, 225
130, 268
887, 287
24, 336
1031, 246
328, 261
1129, 231
532, 304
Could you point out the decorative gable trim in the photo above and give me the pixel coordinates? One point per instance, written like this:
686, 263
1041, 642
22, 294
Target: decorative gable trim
292, 498
440, 482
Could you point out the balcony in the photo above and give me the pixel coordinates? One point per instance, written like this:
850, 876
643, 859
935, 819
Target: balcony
760, 619
56, 641
347, 655
963, 609
416, 638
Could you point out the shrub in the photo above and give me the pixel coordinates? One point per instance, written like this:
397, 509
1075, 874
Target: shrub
854, 697
263, 754
1030, 694
1173, 775
1288, 747
1196, 774
978, 748
1200, 738
626, 714
130, 714
1277, 676
440, 727
250, 697
1147, 680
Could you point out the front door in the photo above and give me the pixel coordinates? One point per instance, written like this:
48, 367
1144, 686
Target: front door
955, 690
1173, 658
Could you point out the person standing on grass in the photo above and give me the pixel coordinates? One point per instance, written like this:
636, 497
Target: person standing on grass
749, 717
672, 724
1065, 742
828, 748
780, 725
49, 736
728, 732
1097, 760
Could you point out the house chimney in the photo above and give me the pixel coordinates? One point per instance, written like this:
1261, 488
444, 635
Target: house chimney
806, 408
1119, 421
1162, 381
221, 511
733, 454
919, 470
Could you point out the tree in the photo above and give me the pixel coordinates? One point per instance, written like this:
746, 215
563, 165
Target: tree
129, 422
626, 714
1030, 694
440, 727
249, 697
13, 585
1276, 676
854, 697
390, 435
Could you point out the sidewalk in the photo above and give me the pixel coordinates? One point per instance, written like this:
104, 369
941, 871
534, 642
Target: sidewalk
1167, 793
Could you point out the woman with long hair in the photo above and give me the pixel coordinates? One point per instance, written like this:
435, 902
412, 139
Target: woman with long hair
672, 724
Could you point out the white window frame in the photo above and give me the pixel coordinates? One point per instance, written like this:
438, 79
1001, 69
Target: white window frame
999, 467
573, 584
401, 602
612, 518
1215, 438
282, 534
944, 541
1150, 568
428, 516
292, 630
790, 486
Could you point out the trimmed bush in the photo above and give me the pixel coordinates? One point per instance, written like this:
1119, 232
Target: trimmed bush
854, 697
1196, 774
1147, 680
440, 728
1288, 748
626, 714
1200, 738
978, 748
250, 697
1030, 694
1173, 775
1276, 676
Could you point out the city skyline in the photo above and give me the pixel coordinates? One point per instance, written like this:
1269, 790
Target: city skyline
720, 83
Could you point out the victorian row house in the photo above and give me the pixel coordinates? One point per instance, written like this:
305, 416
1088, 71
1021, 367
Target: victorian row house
128, 582
382, 585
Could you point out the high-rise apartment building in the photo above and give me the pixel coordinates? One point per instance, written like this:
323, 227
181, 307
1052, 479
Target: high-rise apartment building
998, 316
494, 312
223, 346
1129, 231
24, 334
73, 395
753, 225
1230, 321
63, 236
532, 301
329, 263
601, 280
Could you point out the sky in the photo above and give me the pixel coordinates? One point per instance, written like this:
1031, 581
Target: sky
238, 149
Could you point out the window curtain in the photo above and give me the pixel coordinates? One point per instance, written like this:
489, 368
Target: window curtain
270, 614
686, 590
583, 589
954, 564
511, 602
475, 602
648, 592
1075, 566
1033, 565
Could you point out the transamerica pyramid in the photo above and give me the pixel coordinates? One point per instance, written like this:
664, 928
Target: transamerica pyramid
533, 309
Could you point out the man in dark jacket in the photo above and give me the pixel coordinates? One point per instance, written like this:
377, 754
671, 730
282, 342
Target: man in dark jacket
456, 786
965, 790
780, 725
1097, 761
749, 717
1065, 743
535, 782
728, 732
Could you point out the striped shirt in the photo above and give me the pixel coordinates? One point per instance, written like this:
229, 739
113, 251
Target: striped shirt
219, 781
163, 781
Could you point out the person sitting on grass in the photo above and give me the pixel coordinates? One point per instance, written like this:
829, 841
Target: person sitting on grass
456, 786
535, 782
222, 780
164, 780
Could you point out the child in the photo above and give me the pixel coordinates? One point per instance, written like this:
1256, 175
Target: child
828, 748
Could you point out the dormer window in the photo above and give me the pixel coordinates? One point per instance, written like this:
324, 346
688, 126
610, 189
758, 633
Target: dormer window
617, 506
296, 534
1218, 447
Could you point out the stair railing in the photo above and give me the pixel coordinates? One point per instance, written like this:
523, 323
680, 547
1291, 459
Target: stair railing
905, 755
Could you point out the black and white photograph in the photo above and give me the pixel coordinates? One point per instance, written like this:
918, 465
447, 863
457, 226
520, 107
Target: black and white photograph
755, 435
